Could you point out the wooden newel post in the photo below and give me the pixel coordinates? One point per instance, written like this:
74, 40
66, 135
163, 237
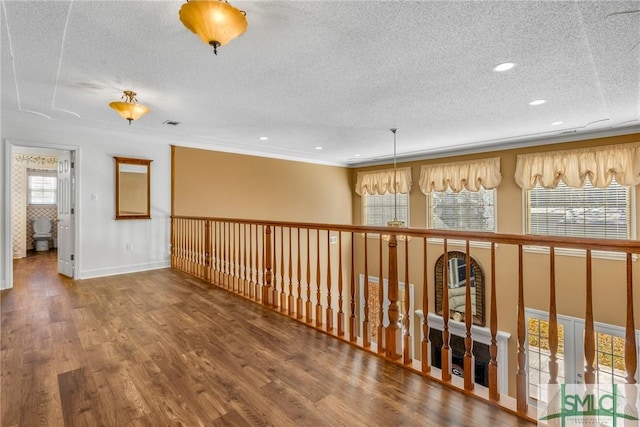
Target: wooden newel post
266, 289
393, 343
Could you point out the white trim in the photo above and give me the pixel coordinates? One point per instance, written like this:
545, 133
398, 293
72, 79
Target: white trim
581, 253
460, 243
124, 269
479, 334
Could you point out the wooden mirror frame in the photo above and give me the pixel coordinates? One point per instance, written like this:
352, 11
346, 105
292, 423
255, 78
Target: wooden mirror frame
476, 269
120, 214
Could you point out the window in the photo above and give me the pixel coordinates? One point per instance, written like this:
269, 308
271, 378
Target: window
609, 363
379, 209
42, 187
579, 212
465, 210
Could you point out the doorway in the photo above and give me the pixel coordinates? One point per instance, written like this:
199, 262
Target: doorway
37, 154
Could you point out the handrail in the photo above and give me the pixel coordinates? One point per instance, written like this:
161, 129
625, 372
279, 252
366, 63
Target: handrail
584, 243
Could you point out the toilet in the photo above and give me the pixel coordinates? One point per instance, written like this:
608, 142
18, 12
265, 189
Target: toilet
42, 233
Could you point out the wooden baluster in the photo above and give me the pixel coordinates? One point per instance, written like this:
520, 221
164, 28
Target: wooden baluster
256, 270
186, 244
553, 320
229, 284
393, 341
521, 375
266, 284
199, 251
340, 298
251, 267
468, 365
493, 326
589, 328
245, 282
273, 297
352, 289
426, 365
290, 306
329, 310
214, 252
318, 281
381, 330
224, 255
630, 355
283, 295
445, 351
308, 305
366, 327
175, 249
207, 250
299, 277
406, 344
233, 256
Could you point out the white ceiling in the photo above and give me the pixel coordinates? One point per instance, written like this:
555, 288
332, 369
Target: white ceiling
335, 74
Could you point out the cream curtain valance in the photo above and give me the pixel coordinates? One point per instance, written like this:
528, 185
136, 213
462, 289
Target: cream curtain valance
573, 167
469, 175
381, 181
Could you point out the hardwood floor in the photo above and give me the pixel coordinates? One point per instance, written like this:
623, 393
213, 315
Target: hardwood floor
160, 348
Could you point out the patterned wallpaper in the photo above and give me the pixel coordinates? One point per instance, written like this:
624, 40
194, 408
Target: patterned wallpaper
22, 228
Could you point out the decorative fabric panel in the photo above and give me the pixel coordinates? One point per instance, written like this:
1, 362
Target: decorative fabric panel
469, 175
381, 182
573, 167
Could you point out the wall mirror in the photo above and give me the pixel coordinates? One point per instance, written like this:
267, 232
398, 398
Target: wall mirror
133, 185
457, 283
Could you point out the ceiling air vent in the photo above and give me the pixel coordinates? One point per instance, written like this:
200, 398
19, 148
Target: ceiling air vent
170, 123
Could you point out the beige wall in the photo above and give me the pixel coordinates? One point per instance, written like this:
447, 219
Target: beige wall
211, 183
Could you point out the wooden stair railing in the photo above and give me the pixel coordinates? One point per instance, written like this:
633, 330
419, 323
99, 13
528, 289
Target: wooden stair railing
268, 262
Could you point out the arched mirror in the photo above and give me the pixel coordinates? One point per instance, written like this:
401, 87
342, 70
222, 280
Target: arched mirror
133, 184
457, 283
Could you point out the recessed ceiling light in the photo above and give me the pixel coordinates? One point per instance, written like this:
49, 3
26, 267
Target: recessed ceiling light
538, 102
356, 155
505, 66
556, 123
263, 138
318, 148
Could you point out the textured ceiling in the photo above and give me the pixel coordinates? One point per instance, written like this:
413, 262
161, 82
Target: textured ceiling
335, 74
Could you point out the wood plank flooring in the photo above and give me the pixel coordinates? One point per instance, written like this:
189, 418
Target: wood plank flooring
160, 348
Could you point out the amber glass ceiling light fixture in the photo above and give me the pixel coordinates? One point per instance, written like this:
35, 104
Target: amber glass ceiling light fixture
216, 22
129, 108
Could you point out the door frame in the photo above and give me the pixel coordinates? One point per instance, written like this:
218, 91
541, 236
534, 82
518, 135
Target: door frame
7, 226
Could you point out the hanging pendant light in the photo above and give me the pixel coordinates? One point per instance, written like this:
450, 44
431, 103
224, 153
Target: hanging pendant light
129, 108
216, 22
395, 222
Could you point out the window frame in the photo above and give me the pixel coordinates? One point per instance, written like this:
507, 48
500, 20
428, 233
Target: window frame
430, 218
41, 173
364, 208
616, 256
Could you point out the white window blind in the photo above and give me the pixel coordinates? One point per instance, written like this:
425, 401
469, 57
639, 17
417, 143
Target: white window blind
42, 188
379, 209
580, 212
465, 210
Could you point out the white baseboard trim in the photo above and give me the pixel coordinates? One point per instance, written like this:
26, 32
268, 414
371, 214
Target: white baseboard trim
124, 269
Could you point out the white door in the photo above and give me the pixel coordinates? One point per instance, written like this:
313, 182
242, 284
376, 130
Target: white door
66, 208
